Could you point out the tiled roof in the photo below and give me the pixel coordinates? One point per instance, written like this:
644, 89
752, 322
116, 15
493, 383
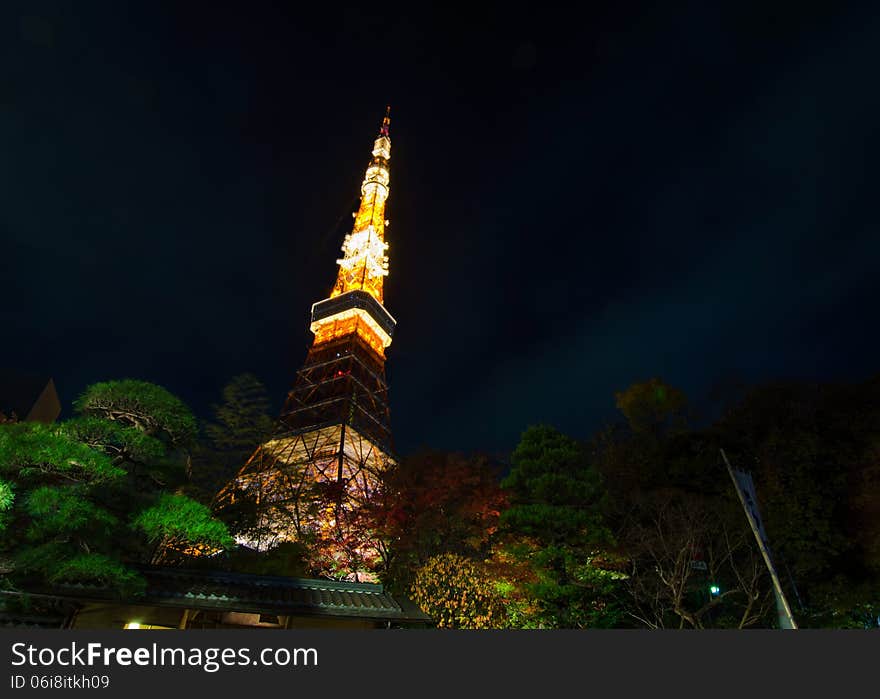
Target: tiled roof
262, 593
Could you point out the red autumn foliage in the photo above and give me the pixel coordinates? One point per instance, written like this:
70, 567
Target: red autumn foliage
436, 502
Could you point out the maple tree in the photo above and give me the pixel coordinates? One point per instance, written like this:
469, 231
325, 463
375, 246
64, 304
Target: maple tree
436, 502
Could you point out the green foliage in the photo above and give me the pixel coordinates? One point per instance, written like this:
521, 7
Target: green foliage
122, 442
146, 406
63, 510
555, 525
556, 496
585, 600
7, 498
242, 422
457, 594
40, 559
33, 450
242, 419
7, 495
182, 519
98, 569
78, 484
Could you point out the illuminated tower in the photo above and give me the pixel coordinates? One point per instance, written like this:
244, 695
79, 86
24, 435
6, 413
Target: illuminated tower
311, 481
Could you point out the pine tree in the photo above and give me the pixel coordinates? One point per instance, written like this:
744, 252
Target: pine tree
241, 423
555, 524
84, 499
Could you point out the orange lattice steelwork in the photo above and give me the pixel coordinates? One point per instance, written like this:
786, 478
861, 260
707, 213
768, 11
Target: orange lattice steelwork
313, 481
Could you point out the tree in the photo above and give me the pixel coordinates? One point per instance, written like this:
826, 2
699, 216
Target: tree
435, 502
631, 455
813, 449
57, 528
813, 452
241, 424
87, 497
242, 419
555, 523
653, 407
675, 518
148, 407
458, 594
693, 563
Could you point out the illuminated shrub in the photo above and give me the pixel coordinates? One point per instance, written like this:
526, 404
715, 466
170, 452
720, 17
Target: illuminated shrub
457, 594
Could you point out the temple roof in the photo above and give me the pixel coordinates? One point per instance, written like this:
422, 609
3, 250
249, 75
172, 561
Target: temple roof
240, 592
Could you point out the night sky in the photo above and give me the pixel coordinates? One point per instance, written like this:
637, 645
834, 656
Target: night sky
578, 201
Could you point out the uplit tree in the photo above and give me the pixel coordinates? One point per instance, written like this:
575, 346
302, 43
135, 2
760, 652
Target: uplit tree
432, 503
56, 527
85, 498
458, 594
555, 524
147, 407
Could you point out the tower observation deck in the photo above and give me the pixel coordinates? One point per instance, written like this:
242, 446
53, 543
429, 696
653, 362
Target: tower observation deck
312, 480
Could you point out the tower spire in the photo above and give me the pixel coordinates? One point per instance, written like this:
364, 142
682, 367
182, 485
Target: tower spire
386, 122
314, 479
364, 263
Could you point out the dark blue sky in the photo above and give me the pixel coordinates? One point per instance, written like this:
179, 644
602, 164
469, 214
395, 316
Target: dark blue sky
578, 202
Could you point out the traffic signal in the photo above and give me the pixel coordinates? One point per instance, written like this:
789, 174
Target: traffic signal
714, 590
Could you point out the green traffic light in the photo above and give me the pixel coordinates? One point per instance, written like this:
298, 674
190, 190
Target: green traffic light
715, 589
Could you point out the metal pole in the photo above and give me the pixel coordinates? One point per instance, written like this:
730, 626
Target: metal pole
783, 610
